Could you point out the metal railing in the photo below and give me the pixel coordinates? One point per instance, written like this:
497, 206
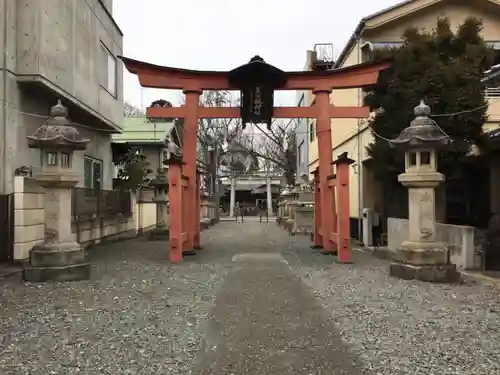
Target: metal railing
492, 92
91, 204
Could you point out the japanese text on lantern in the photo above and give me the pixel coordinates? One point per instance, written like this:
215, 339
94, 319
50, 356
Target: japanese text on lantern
257, 102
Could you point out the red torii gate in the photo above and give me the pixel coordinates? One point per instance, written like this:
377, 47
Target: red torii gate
183, 179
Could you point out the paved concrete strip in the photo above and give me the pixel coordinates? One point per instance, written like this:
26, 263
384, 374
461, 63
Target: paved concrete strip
478, 278
266, 321
258, 257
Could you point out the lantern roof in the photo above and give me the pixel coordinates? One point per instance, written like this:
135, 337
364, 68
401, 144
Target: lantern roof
58, 132
161, 179
423, 131
257, 72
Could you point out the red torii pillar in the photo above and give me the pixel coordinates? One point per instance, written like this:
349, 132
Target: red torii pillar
189, 139
177, 231
324, 134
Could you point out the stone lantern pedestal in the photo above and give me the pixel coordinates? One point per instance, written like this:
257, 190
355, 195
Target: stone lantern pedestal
290, 223
160, 232
422, 257
59, 257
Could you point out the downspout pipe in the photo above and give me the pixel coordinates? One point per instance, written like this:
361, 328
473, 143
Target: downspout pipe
4, 104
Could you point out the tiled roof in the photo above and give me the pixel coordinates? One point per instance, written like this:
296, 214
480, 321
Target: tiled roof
493, 72
141, 130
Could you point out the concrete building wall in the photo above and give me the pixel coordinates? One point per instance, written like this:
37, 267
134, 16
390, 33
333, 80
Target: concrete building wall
59, 41
108, 4
52, 50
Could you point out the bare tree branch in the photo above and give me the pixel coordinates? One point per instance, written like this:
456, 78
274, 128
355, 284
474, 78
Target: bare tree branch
130, 110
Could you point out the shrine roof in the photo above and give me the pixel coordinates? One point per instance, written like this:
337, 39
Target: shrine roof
140, 130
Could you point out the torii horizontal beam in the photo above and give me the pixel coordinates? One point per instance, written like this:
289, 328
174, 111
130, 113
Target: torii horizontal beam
279, 112
165, 77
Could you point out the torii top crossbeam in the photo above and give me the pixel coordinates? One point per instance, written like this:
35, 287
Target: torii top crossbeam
164, 77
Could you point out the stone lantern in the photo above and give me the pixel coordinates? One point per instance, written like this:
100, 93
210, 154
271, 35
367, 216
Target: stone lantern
59, 257
160, 182
421, 256
287, 197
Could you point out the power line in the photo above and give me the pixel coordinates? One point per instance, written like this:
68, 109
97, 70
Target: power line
460, 112
366, 123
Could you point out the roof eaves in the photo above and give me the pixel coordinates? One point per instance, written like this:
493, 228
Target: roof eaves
356, 35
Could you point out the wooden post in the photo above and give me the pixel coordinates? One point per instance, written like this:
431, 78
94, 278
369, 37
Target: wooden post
187, 248
175, 190
324, 135
189, 140
317, 241
197, 245
344, 226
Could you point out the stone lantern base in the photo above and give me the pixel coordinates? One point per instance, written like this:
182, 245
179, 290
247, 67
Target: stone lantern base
424, 261
159, 234
57, 262
205, 223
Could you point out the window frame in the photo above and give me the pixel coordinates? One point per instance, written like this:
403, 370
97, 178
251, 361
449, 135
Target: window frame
312, 130
110, 87
93, 161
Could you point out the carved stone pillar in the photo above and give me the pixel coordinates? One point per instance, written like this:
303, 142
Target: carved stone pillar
232, 202
269, 196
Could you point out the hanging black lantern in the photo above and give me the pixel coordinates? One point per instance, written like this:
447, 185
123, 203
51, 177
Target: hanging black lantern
257, 81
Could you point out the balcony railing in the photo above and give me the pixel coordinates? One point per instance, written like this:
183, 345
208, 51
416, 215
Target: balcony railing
492, 92
91, 204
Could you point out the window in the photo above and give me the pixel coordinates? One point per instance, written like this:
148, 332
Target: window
92, 174
65, 160
51, 158
425, 158
300, 153
108, 70
412, 159
312, 131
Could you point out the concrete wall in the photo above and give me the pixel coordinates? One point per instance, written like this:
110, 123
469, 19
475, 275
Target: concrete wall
146, 216
29, 220
459, 239
51, 49
59, 40
93, 232
29, 216
108, 4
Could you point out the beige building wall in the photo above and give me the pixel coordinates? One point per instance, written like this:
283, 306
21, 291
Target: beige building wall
389, 28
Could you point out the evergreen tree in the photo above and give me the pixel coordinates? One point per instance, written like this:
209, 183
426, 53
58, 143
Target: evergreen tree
133, 170
444, 69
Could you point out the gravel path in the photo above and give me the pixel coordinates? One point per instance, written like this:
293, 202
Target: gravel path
141, 315
405, 327
136, 316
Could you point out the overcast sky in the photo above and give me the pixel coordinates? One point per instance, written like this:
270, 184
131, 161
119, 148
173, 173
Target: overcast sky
223, 34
